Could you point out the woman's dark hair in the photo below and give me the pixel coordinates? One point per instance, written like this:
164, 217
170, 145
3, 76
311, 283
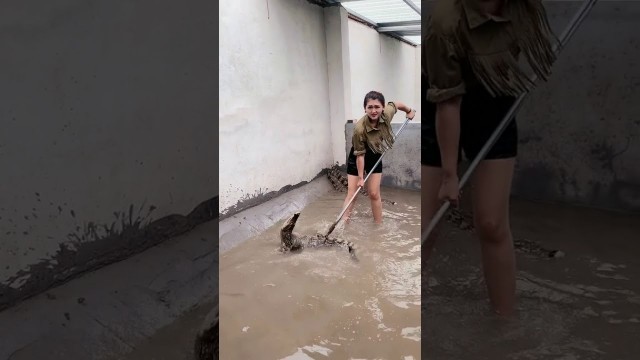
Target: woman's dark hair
373, 95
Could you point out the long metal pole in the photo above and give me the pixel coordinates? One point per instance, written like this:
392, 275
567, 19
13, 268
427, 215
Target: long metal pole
564, 38
333, 226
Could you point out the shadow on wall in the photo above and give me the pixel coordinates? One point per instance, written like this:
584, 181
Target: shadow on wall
96, 245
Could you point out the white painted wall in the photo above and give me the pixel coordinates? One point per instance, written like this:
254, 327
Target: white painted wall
379, 62
290, 77
417, 96
97, 115
338, 66
274, 97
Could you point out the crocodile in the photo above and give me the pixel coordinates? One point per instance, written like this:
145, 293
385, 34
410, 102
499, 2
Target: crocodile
340, 183
463, 220
293, 242
206, 345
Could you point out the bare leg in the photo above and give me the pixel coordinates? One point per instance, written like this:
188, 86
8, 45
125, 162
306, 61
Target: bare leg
491, 191
352, 188
431, 179
373, 187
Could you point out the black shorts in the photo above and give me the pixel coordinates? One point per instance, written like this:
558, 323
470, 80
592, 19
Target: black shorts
370, 159
480, 115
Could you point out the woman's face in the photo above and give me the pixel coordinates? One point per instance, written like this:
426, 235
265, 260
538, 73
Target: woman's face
374, 109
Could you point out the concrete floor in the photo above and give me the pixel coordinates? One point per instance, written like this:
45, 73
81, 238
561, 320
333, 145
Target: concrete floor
146, 307
585, 305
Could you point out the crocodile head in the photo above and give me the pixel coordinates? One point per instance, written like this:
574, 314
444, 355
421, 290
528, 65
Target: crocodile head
286, 232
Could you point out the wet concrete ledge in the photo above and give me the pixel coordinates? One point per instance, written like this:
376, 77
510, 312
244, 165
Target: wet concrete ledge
250, 222
262, 198
109, 313
88, 256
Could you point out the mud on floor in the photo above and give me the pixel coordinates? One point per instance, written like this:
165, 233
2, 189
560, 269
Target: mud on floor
585, 305
320, 304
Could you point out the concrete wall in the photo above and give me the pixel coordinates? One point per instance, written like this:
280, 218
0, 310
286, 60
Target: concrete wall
274, 99
107, 122
580, 132
289, 74
417, 83
401, 164
379, 62
360, 60
339, 70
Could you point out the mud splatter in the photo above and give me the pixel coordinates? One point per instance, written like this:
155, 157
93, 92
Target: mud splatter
96, 245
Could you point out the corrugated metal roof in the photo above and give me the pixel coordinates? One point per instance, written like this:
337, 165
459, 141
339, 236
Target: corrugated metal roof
397, 17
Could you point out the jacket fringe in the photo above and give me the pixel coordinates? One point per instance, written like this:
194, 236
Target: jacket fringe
500, 73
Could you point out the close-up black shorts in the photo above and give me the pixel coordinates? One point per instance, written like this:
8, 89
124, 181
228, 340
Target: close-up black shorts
370, 159
480, 115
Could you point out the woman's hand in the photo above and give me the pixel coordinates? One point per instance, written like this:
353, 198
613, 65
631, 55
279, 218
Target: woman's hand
449, 190
411, 114
361, 182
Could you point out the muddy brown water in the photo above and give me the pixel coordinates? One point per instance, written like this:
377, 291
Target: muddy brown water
320, 304
174, 341
583, 306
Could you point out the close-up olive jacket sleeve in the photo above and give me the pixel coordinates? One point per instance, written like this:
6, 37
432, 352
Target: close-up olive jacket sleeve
443, 67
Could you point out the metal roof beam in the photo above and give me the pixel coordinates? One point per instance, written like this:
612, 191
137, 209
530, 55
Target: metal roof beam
392, 28
413, 6
401, 23
404, 33
404, 28
364, 18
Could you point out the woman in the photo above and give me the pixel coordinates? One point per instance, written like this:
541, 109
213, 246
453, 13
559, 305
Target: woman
472, 74
372, 136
